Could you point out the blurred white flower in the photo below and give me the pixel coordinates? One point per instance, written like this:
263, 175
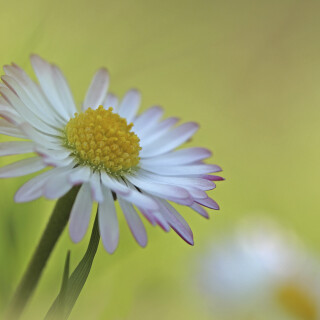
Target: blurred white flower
260, 272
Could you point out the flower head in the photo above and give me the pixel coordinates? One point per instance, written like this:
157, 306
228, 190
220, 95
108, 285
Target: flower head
105, 147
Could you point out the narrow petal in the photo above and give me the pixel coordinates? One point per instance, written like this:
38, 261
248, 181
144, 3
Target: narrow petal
22, 167
140, 199
96, 190
97, 90
33, 189
28, 102
172, 193
80, 213
182, 181
196, 207
179, 157
79, 175
135, 224
209, 203
9, 129
45, 74
64, 91
111, 101
212, 177
170, 140
38, 137
130, 105
177, 223
58, 185
157, 131
113, 184
194, 169
8, 113
16, 147
40, 102
108, 222
147, 120
26, 113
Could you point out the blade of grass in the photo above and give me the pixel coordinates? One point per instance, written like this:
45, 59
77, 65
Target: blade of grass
65, 301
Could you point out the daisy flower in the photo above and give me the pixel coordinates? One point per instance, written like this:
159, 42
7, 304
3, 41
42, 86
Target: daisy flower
107, 149
261, 272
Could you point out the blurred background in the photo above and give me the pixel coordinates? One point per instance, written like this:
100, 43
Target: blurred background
247, 71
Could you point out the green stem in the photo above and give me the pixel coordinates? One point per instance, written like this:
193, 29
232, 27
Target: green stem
50, 236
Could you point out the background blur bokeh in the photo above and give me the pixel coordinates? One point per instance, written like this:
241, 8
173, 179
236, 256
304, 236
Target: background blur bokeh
247, 71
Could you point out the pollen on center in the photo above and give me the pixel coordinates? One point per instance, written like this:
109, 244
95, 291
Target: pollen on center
103, 140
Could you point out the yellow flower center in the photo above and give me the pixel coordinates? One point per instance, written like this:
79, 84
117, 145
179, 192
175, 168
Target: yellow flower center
103, 140
297, 301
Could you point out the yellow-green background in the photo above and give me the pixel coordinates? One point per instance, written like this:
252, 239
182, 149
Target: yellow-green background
247, 71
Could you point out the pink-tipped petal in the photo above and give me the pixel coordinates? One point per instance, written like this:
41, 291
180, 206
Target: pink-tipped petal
209, 203
135, 224
196, 207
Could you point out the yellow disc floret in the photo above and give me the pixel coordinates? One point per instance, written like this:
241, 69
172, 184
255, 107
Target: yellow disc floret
103, 140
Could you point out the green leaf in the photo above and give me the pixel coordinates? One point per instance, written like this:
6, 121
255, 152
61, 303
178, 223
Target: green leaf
57, 309
57, 222
71, 287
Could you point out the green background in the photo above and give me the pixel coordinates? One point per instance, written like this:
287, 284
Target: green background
247, 71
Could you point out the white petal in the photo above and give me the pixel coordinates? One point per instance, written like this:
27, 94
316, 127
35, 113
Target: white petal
114, 184
57, 154
140, 199
97, 90
44, 73
147, 120
9, 129
148, 214
198, 183
80, 213
22, 167
64, 91
155, 217
34, 93
173, 193
96, 190
111, 101
26, 113
209, 203
79, 175
135, 224
176, 222
130, 105
108, 222
194, 169
50, 161
179, 157
8, 113
157, 131
196, 207
32, 189
28, 103
16, 147
58, 185
38, 137
170, 140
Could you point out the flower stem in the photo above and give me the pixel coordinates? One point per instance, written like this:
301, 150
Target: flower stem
50, 236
